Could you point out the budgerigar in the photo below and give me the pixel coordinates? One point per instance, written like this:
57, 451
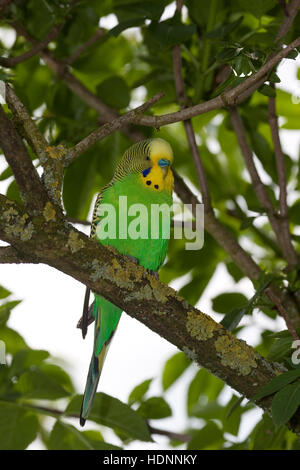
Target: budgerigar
144, 176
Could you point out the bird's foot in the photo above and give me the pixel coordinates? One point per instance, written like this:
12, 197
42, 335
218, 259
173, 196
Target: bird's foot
154, 273
83, 323
132, 259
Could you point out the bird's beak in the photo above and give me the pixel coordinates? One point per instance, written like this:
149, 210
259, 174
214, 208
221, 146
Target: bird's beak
164, 164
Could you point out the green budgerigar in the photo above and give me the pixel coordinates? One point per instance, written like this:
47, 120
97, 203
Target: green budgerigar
144, 177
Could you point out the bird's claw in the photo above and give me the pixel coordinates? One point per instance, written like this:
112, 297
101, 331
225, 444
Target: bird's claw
132, 259
83, 324
154, 273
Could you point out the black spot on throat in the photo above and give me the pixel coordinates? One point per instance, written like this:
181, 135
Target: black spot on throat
156, 186
148, 182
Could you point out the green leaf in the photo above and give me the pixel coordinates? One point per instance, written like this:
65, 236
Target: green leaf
6, 309
13, 192
155, 408
209, 437
273, 77
277, 383
233, 318
267, 436
18, 426
138, 393
203, 384
234, 271
256, 7
293, 54
13, 340
174, 368
123, 25
66, 437
45, 382
114, 92
113, 413
168, 33
285, 404
4, 292
23, 360
280, 349
267, 90
222, 303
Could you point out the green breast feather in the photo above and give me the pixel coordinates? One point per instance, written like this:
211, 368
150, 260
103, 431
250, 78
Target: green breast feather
149, 252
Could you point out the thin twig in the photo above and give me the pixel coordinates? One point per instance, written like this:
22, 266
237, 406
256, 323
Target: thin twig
108, 128
258, 186
290, 10
281, 173
99, 34
229, 98
277, 302
38, 47
182, 99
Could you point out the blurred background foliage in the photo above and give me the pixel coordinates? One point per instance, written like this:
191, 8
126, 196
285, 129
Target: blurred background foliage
220, 46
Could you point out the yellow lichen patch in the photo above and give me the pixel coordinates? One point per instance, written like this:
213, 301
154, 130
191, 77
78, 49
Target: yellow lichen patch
56, 152
159, 291
19, 226
235, 354
144, 293
74, 242
49, 212
9, 213
201, 326
121, 276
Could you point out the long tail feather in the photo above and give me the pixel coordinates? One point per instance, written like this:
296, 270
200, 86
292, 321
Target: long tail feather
107, 317
93, 377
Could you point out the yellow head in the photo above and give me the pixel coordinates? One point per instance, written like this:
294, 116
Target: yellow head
158, 176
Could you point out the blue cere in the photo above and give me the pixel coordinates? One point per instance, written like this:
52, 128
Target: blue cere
147, 171
163, 162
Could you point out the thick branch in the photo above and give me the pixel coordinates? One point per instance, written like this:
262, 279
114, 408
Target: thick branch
9, 255
141, 295
33, 135
17, 157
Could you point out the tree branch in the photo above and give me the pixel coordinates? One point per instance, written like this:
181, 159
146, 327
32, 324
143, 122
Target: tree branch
228, 242
258, 186
141, 295
51, 158
33, 135
9, 255
109, 128
29, 183
291, 10
99, 34
229, 98
38, 47
290, 253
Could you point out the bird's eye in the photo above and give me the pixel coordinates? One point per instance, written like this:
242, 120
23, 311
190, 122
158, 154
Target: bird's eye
147, 158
